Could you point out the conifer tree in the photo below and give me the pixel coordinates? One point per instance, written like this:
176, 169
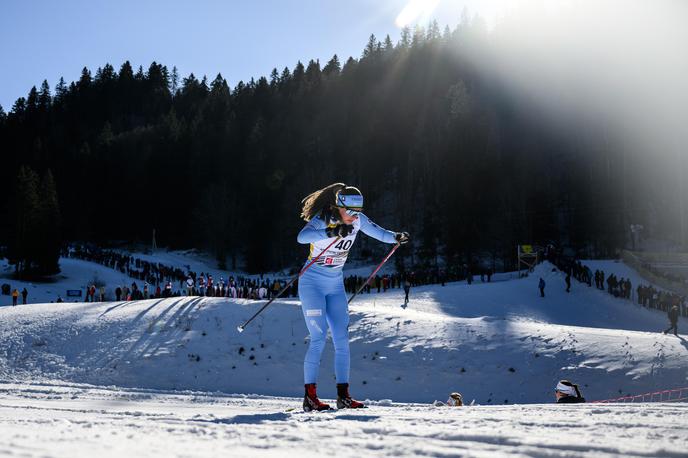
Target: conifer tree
274, 78
405, 39
388, 45
85, 79
60, 90
19, 107
370, 47
24, 217
333, 67
126, 72
44, 98
32, 100
174, 81
48, 227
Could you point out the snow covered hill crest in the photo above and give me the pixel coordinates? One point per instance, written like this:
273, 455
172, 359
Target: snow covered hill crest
497, 343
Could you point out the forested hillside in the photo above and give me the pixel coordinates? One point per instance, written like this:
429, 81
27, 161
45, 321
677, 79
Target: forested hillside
437, 143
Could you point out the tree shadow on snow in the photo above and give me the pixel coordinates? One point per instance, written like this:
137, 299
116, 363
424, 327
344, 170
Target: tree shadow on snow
120, 304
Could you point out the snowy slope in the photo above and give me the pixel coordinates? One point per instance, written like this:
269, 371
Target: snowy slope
496, 343
75, 274
81, 421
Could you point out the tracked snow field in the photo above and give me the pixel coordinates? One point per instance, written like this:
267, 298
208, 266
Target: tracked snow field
156, 377
57, 420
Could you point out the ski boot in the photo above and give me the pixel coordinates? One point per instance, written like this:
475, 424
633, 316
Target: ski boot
344, 400
311, 401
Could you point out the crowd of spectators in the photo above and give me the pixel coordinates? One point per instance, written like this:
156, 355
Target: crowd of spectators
161, 280
156, 279
646, 295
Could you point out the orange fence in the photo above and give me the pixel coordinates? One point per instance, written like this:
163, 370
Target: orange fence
676, 395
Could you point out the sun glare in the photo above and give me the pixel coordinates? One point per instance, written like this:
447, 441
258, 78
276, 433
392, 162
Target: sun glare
415, 10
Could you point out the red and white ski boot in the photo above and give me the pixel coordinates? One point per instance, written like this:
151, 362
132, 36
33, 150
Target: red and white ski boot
344, 400
311, 401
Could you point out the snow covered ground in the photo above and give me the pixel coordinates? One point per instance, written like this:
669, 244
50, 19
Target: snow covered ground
499, 344
77, 275
58, 420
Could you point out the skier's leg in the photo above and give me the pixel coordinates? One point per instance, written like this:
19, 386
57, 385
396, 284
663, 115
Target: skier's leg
313, 306
338, 320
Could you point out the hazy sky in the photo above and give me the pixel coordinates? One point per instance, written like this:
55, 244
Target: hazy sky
46, 39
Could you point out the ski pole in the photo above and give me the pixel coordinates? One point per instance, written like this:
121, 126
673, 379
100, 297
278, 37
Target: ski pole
389, 255
243, 326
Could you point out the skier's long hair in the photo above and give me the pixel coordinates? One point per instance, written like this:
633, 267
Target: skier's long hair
320, 202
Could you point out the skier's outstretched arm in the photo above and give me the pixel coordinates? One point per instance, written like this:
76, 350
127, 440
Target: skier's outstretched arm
373, 230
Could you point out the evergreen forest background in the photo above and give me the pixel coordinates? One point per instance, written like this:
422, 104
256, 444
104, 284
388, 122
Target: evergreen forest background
438, 145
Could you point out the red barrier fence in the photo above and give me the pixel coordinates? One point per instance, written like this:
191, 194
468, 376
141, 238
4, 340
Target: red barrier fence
676, 395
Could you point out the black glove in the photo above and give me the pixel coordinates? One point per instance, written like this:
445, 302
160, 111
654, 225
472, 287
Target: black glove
402, 237
340, 230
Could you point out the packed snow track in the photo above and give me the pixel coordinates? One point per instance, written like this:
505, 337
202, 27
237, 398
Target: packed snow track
58, 420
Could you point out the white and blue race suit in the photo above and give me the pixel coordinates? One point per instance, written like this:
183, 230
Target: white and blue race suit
322, 294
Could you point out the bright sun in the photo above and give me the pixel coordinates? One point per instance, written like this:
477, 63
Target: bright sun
449, 11
414, 10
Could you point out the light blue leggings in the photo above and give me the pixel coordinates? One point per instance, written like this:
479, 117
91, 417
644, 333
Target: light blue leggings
323, 302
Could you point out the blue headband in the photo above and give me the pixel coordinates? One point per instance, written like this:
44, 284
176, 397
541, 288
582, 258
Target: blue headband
350, 201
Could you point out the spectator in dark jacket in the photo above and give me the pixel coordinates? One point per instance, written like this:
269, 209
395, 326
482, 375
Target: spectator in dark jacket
568, 282
541, 285
568, 393
24, 294
673, 320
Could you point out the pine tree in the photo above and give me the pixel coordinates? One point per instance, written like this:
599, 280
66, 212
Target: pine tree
274, 78
349, 66
48, 228
44, 98
32, 100
24, 215
285, 76
418, 36
446, 35
433, 31
174, 81
19, 107
333, 67
371, 47
405, 40
85, 80
388, 46
126, 72
299, 71
313, 73
60, 91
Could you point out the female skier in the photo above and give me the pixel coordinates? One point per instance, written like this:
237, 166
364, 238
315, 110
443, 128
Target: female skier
334, 211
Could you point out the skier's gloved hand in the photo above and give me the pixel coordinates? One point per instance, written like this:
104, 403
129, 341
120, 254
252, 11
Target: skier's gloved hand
402, 237
340, 230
